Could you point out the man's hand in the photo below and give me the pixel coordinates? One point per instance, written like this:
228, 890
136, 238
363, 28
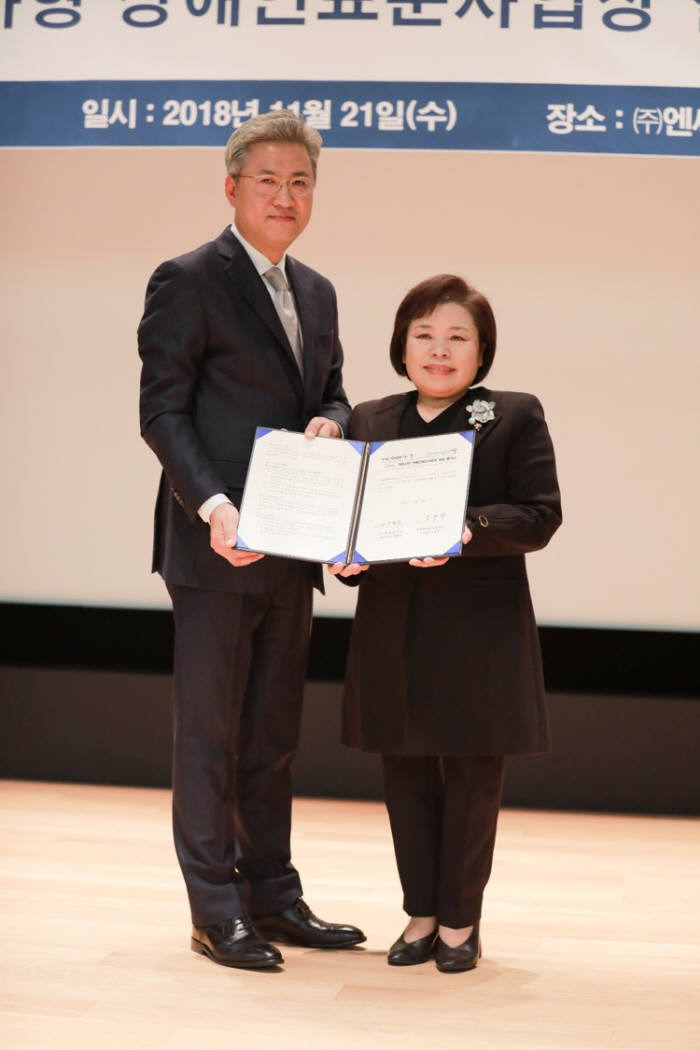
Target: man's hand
346, 570
319, 426
431, 563
223, 531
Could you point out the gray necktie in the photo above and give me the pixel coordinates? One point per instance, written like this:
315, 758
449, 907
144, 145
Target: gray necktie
284, 304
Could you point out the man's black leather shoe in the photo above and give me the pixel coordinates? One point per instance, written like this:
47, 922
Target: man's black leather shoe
463, 957
299, 925
411, 953
235, 942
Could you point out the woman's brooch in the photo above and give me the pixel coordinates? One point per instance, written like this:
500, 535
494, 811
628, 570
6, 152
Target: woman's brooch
481, 412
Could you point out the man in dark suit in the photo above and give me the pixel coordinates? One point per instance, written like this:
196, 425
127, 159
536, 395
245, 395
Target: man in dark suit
237, 334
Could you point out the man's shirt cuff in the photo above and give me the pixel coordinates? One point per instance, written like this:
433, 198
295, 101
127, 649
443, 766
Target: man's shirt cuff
211, 504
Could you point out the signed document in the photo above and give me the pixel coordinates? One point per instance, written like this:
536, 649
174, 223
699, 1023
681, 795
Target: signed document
329, 500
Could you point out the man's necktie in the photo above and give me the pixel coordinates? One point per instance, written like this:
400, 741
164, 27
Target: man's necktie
284, 303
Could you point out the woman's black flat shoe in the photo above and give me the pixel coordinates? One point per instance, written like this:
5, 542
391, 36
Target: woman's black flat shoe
410, 953
463, 957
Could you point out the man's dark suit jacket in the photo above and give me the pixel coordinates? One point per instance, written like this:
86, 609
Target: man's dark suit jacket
216, 364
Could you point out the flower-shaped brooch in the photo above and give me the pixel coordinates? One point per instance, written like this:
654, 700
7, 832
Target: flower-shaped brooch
481, 412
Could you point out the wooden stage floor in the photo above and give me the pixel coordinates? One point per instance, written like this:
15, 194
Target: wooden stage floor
591, 936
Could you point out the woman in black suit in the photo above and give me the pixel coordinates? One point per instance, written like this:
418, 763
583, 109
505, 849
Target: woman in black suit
444, 673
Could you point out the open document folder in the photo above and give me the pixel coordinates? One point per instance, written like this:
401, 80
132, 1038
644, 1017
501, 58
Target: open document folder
329, 500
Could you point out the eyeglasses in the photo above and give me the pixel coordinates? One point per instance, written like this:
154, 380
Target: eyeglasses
269, 186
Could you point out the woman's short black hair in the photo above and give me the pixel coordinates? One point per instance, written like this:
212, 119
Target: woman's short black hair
425, 297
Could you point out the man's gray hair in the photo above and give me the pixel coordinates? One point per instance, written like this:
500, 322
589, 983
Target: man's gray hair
279, 125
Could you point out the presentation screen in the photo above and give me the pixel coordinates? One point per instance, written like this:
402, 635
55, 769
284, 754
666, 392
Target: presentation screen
546, 151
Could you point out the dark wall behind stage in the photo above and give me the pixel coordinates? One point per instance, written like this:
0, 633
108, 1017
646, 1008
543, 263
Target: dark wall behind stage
86, 697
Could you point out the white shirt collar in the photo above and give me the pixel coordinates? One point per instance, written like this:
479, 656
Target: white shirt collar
261, 263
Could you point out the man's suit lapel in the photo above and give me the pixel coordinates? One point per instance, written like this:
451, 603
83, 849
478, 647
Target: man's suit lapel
239, 267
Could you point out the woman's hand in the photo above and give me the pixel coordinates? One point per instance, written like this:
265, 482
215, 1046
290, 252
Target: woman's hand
431, 563
346, 570
427, 563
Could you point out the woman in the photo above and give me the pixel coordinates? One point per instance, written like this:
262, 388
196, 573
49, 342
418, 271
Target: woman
444, 672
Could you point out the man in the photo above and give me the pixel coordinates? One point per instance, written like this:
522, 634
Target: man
237, 334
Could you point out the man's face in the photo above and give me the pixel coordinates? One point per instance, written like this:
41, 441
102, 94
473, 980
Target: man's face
271, 223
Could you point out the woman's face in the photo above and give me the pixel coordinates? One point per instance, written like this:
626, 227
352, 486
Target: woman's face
442, 353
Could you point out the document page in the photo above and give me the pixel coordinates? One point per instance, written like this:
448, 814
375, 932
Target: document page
415, 498
299, 496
